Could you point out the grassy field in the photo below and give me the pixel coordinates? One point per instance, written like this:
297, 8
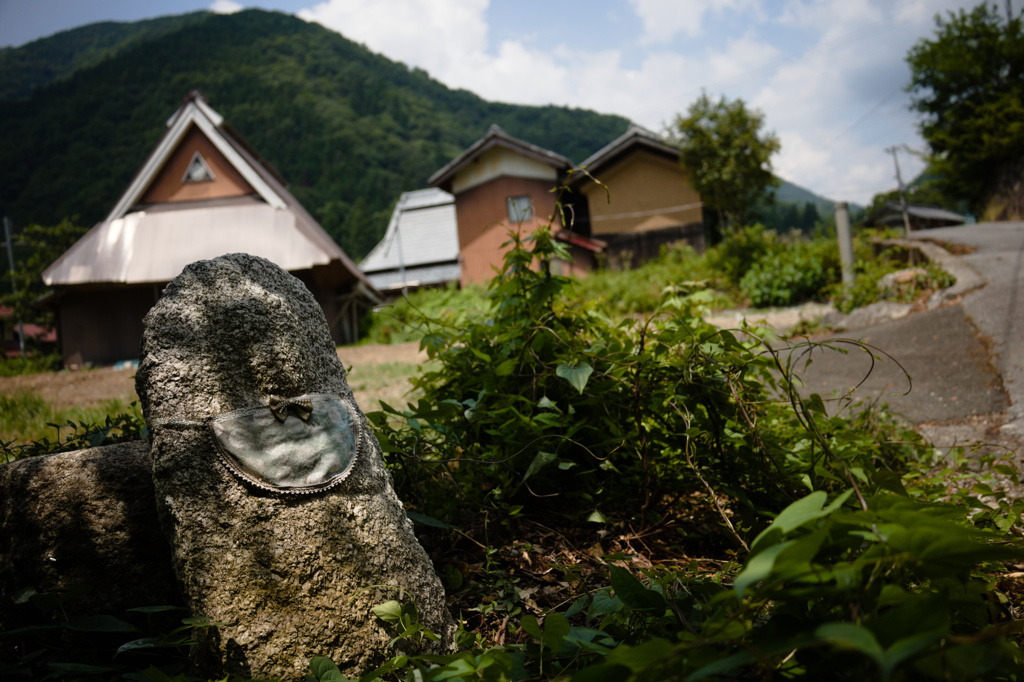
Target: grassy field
26, 415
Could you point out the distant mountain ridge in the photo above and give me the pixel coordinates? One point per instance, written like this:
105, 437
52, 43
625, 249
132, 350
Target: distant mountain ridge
347, 128
40, 62
788, 193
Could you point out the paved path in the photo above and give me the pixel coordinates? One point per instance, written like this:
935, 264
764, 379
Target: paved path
966, 360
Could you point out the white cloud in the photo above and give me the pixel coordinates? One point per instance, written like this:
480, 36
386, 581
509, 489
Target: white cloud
827, 74
225, 7
437, 35
663, 20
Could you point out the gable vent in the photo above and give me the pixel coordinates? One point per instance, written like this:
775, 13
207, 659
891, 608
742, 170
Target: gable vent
197, 170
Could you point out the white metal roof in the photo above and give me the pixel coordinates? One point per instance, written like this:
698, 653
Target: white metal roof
155, 245
422, 232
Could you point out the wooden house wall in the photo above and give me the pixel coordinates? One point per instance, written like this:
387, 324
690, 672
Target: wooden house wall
102, 325
641, 182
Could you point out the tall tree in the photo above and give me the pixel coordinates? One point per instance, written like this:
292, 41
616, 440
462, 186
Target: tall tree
967, 83
725, 147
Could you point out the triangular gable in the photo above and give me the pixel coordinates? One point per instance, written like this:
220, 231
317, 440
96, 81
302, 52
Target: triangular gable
194, 171
195, 123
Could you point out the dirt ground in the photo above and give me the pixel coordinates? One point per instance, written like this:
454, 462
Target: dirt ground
90, 387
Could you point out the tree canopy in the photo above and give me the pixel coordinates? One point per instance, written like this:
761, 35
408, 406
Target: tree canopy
725, 147
967, 83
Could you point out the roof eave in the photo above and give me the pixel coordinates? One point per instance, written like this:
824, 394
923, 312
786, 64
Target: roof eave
495, 137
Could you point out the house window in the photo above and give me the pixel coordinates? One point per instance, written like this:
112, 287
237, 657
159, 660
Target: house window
197, 170
520, 209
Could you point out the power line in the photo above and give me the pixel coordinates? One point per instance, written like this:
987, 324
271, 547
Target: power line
866, 114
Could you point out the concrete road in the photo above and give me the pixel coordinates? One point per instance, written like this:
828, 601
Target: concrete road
965, 359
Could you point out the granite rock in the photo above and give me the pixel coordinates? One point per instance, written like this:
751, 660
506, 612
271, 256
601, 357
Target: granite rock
290, 576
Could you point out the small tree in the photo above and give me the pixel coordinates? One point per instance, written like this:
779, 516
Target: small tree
968, 84
35, 248
728, 153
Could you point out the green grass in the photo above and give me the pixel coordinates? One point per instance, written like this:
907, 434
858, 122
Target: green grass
386, 381
25, 417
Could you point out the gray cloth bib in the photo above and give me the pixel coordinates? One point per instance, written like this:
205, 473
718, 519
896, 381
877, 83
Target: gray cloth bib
298, 445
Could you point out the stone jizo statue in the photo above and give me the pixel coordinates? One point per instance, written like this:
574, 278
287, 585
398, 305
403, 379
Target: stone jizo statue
271, 490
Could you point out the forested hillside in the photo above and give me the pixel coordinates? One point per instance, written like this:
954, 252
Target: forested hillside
43, 61
347, 128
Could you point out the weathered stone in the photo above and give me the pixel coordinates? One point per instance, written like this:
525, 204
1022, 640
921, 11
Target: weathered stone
290, 576
83, 522
900, 279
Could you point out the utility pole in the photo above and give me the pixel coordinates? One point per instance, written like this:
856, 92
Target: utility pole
14, 281
845, 238
903, 195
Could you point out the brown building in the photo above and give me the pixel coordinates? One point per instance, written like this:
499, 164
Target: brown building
503, 184
639, 197
626, 201
202, 193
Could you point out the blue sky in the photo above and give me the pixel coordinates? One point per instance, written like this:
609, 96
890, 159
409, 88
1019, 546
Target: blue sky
827, 74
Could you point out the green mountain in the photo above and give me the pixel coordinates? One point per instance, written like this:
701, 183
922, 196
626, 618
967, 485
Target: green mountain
43, 61
788, 193
349, 129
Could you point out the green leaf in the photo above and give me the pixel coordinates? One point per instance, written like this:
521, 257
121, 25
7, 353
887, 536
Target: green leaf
540, 460
532, 626
505, 368
152, 643
850, 636
427, 520
326, 670
577, 375
603, 604
556, 627
639, 658
759, 567
633, 593
797, 514
389, 611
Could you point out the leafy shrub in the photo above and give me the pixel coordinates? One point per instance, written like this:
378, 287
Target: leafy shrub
401, 321
643, 289
542, 404
793, 272
28, 364
740, 250
836, 548
868, 273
